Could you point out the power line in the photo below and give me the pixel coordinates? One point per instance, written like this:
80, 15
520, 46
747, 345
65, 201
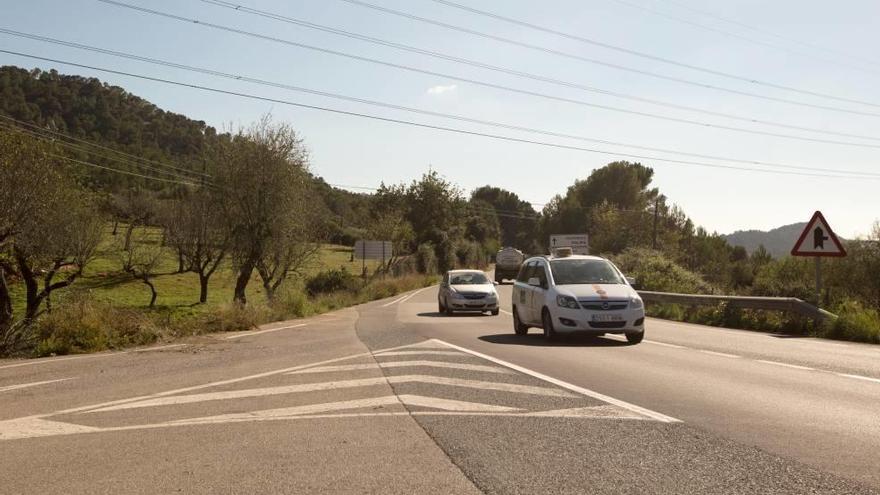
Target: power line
90, 164
38, 134
96, 145
738, 36
446, 115
517, 73
491, 85
423, 125
769, 32
608, 46
521, 44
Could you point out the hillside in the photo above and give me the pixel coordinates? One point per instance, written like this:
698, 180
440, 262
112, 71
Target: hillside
778, 242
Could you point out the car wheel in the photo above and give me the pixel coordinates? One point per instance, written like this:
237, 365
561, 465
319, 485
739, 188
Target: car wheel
494, 312
440, 307
448, 310
547, 323
635, 338
518, 327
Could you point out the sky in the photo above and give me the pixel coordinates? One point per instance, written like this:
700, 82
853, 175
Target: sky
814, 47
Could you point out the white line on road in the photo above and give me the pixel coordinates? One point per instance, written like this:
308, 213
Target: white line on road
161, 347
777, 363
665, 344
31, 384
268, 330
574, 388
32, 362
420, 353
860, 377
722, 354
506, 312
403, 364
405, 298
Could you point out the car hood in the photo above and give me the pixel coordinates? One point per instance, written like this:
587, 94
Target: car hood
473, 288
598, 292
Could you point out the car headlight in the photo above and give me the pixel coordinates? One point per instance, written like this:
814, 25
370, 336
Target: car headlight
567, 302
491, 295
636, 303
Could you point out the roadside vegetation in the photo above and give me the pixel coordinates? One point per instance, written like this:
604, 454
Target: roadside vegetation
122, 224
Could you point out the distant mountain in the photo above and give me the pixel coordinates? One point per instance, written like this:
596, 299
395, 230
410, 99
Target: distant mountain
778, 241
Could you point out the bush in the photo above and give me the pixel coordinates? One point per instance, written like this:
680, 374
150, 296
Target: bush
426, 259
654, 271
854, 322
85, 325
332, 281
469, 254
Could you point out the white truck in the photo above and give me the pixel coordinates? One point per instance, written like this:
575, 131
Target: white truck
507, 263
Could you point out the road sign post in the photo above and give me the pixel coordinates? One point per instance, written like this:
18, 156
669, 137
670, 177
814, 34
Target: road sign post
818, 241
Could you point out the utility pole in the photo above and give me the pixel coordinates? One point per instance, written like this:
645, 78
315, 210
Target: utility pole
656, 215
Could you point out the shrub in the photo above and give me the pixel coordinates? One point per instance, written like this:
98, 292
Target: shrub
654, 271
332, 281
82, 325
426, 258
854, 322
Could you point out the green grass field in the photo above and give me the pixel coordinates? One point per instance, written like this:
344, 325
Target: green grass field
178, 293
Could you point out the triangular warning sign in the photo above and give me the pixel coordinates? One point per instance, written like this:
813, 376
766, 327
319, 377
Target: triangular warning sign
818, 239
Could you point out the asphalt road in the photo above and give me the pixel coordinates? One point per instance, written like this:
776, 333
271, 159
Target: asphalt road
390, 397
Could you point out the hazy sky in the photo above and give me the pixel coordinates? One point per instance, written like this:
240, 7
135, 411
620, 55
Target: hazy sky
815, 46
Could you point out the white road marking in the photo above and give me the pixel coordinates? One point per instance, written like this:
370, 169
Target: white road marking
268, 330
722, 354
452, 405
506, 312
220, 383
777, 363
406, 297
404, 364
574, 388
860, 377
420, 353
30, 427
31, 384
161, 347
589, 412
33, 362
665, 344
334, 385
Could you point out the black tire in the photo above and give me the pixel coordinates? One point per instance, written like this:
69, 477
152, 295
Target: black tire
635, 338
448, 310
440, 308
494, 312
547, 325
518, 327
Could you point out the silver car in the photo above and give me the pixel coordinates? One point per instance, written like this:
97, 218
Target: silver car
467, 290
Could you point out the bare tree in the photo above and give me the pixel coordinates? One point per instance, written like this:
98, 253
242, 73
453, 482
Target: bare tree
262, 183
142, 258
197, 232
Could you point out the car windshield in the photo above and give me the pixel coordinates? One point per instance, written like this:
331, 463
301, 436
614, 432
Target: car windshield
569, 272
470, 278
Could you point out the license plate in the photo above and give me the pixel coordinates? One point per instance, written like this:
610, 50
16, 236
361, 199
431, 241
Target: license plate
607, 318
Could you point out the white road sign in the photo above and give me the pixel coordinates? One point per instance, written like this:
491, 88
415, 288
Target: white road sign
579, 243
372, 250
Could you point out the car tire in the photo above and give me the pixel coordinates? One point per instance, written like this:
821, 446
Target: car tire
518, 327
447, 309
547, 325
635, 338
440, 308
495, 312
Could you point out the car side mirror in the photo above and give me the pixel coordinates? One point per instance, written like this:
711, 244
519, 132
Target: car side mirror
535, 282
495, 282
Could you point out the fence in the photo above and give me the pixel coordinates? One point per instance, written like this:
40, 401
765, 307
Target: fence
788, 304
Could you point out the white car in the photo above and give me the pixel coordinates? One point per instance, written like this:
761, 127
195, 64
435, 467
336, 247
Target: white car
467, 290
572, 293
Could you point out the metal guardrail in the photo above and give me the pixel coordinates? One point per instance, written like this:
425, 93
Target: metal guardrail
788, 304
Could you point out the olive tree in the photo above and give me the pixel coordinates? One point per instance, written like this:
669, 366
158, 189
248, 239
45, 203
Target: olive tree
262, 184
141, 259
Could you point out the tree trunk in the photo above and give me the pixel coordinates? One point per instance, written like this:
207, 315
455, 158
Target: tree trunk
153, 294
32, 286
203, 288
5, 303
241, 282
115, 227
180, 268
129, 230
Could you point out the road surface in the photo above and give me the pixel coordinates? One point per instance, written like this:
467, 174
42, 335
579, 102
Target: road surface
391, 397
